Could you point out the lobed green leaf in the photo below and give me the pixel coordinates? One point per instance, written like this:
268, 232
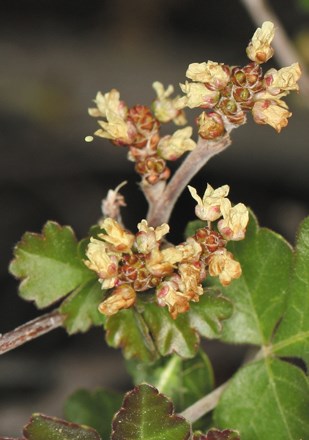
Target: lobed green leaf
81, 307
151, 328
268, 399
292, 336
209, 314
42, 427
48, 265
259, 295
148, 415
128, 330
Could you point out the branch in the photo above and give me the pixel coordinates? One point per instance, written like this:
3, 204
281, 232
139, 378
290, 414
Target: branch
31, 330
285, 52
161, 207
204, 405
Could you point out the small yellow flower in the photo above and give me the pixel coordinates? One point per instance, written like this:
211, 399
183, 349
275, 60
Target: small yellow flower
190, 250
223, 265
116, 128
283, 80
169, 295
259, 48
148, 237
211, 73
102, 262
174, 146
197, 95
191, 279
123, 297
234, 222
120, 239
272, 112
164, 107
108, 102
159, 264
209, 208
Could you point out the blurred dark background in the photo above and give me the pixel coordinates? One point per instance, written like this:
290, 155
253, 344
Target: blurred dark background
55, 56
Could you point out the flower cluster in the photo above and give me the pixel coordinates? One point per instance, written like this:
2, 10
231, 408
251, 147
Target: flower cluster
131, 263
138, 129
228, 92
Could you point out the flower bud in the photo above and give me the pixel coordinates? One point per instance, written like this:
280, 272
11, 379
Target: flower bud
233, 111
210, 125
144, 122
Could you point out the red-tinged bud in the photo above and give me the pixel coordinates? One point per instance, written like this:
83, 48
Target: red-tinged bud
232, 110
211, 125
145, 123
153, 169
210, 240
244, 97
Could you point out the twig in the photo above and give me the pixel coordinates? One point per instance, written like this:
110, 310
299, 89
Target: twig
285, 52
161, 207
204, 405
31, 330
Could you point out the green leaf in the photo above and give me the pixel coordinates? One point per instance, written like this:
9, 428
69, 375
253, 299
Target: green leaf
148, 415
182, 380
268, 399
171, 335
81, 307
127, 330
292, 337
150, 331
207, 315
42, 427
215, 434
95, 409
259, 295
48, 265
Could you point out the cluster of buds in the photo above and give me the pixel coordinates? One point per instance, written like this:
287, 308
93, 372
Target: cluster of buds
227, 93
138, 129
130, 263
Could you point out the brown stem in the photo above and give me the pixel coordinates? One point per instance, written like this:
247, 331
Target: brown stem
161, 208
31, 330
204, 405
285, 52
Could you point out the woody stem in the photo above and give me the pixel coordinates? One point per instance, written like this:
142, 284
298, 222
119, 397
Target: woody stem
160, 209
31, 330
